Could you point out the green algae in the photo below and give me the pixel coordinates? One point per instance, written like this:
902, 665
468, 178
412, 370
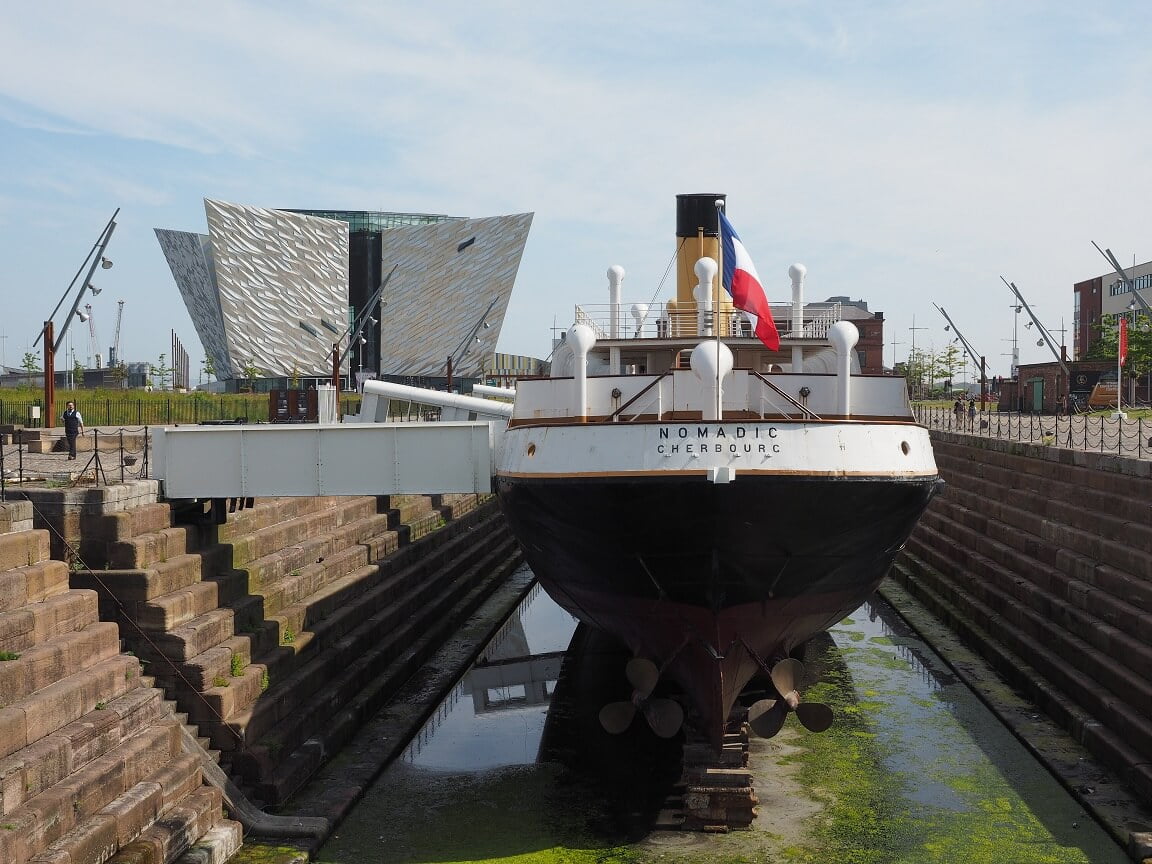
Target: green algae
907, 775
940, 804
514, 815
256, 852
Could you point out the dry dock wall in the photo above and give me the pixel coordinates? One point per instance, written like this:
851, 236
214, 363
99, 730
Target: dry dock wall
1041, 559
270, 638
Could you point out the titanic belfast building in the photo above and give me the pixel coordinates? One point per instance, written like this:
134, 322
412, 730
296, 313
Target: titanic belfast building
271, 291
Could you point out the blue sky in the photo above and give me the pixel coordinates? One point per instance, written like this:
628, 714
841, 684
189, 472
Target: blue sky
906, 152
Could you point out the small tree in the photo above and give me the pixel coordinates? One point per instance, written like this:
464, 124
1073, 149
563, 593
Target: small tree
251, 373
118, 374
31, 362
208, 368
160, 370
77, 373
1139, 360
948, 362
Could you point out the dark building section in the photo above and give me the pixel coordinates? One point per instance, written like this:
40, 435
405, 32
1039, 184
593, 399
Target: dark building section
1086, 316
365, 269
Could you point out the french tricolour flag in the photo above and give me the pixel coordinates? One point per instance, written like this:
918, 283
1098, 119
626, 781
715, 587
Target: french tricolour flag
743, 285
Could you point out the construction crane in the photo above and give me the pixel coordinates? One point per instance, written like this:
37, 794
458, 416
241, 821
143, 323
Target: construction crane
93, 342
114, 351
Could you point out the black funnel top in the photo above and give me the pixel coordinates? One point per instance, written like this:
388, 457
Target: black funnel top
697, 211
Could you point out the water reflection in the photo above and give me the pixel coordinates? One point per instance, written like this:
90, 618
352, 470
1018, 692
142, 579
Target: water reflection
495, 715
514, 762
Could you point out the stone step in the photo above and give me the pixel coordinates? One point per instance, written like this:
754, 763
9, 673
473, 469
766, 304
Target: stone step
269, 574
407, 508
1109, 623
266, 512
146, 550
190, 639
456, 505
342, 552
38, 622
369, 685
203, 670
1031, 615
130, 588
48, 662
23, 549
1126, 608
1124, 542
981, 625
15, 516
1057, 549
33, 769
183, 824
1099, 491
31, 583
265, 540
68, 816
55, 706
344, 604
386, 620
217, 846
136, 522
217, 703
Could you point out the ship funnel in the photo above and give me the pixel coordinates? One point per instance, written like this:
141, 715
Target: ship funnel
580, 339
712, 362
843, 335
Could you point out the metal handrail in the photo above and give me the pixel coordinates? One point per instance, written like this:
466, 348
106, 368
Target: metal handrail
804, 409
612, 417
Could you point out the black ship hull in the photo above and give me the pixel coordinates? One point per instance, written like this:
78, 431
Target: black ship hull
712, 582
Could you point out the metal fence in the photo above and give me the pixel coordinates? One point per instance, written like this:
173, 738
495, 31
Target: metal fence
114, 456
1097, 432
158, 411
147, 412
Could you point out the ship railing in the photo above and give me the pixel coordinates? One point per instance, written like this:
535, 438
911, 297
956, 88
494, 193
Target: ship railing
584, 318
652, 390
666, 321
769, 390
659, 396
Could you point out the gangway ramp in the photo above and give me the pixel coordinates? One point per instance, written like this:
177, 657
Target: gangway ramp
324, 459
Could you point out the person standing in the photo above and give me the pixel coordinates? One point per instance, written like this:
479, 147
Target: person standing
73, 427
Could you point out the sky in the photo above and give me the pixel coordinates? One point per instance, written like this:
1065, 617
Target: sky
907, 153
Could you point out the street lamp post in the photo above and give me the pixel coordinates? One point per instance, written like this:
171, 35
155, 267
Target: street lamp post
52, 345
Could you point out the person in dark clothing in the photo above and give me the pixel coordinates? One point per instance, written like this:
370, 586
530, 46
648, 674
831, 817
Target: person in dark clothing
73, 427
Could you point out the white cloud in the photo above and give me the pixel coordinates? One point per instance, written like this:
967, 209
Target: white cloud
908, 152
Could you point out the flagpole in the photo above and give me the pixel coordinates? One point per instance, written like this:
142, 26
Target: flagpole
719, 204
1121, 338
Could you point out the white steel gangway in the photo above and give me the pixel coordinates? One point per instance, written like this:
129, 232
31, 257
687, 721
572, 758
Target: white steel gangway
365, 455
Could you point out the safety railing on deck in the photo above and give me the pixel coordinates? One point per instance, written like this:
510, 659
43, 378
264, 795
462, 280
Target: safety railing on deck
1096, 432
659, 321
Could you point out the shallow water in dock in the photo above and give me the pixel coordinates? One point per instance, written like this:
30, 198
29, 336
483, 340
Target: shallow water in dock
512, 767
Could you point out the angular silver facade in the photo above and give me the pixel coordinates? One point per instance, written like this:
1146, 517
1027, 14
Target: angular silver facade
189, 257
251, 282
449, 293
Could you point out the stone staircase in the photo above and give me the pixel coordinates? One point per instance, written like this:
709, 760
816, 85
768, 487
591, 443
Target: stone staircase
1043, 558
91, 763
283, 629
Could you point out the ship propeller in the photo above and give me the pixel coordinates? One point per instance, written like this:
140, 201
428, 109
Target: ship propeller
665, 716
766, 717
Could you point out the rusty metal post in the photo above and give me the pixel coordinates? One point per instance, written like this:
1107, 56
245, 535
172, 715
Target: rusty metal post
49, 421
